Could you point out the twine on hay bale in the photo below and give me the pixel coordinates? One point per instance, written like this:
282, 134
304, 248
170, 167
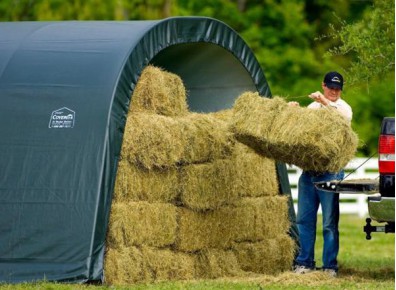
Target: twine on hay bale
312, 139
142, 223
209, 185
153, 141
160, 92
139, 184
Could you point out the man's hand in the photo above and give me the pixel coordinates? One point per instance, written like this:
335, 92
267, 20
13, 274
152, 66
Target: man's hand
320, 98
293, 104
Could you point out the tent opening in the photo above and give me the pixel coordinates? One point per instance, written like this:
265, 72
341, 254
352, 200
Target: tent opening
213, 77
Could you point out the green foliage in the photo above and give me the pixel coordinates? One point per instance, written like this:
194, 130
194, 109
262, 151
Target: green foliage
370, 45
13, 10
289, 38
370, 105
370, 42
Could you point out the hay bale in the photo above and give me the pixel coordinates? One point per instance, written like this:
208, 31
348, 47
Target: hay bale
153, 141
259, 218
209, 185
269, 256
165, 264
256, 175
129, 265
206, 138
313, 139
253, 118
320, 140
160, 92
142, 223
215, 263
123, 266
251, 219
139, 184
203, 230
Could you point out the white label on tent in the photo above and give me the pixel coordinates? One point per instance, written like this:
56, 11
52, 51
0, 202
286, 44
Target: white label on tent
62, 118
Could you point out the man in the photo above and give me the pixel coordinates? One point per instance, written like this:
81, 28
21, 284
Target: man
309, 197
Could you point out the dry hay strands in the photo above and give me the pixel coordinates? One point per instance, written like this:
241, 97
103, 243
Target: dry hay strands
138, 184
251, 219
253, 118
312, 280
142, 223
223, 115
259, 218
256, 174
130, 265
209, 185
270, 256
203, 230
313, 139
206, 138
165, 264
160, 92
216, 263
153, 141
123, 266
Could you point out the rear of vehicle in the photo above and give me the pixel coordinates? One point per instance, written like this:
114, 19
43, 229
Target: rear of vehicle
381, 199
382, 207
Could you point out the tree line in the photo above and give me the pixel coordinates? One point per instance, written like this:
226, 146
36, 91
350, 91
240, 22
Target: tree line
296, 42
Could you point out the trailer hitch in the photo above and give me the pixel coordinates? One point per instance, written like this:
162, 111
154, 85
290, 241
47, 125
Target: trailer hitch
368, 228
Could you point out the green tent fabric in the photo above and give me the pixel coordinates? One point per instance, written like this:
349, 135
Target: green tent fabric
65, 89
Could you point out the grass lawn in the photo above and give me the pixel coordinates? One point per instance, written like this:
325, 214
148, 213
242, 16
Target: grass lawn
363, 265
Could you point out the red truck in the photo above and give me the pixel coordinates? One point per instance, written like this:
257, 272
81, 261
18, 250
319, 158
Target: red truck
381, 191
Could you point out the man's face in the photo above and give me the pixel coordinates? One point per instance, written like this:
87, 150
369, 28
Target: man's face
331, 94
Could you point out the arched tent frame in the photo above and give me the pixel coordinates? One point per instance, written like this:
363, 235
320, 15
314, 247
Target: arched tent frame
65, 90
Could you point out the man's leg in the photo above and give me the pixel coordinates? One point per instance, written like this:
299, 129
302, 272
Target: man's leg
308, 204
330, 213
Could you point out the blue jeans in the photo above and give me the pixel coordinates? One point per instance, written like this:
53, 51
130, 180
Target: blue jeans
309, 199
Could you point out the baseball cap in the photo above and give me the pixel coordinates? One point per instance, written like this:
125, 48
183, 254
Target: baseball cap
334, 80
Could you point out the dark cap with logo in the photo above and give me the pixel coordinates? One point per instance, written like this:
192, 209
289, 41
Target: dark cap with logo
334, 80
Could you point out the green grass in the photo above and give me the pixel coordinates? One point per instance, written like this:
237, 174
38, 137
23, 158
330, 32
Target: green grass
363, 265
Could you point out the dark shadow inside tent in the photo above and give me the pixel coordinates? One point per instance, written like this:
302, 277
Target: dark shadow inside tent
213, 76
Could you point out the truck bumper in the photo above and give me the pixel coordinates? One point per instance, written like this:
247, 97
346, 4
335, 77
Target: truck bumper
381, 209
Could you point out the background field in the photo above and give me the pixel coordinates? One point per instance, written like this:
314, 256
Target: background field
363, 265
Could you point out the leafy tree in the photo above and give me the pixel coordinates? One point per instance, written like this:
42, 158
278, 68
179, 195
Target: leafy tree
370, 43
288, 37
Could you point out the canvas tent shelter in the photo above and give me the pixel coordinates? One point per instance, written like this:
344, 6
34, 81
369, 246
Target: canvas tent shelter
65, 89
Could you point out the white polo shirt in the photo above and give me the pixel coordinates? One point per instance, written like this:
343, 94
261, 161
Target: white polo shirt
340, 105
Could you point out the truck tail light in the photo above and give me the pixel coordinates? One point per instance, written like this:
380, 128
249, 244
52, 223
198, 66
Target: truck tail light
386, 150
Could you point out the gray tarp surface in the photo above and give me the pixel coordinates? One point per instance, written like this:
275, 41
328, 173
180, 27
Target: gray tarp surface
65, 89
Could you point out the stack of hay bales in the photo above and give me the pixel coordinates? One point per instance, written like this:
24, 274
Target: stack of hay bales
190, 201
318, 140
